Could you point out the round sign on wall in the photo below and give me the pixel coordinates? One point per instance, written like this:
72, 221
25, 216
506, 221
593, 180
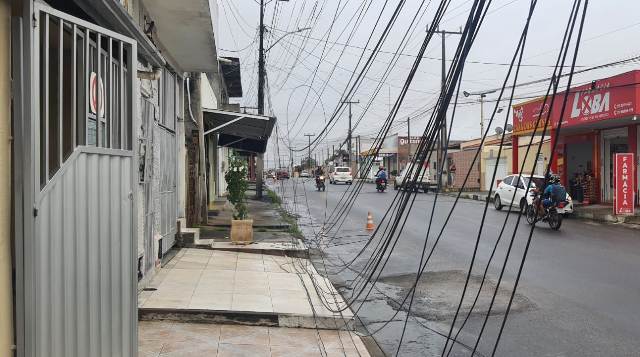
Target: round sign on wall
95, 93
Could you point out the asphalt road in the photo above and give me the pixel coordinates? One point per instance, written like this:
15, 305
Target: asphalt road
579, 294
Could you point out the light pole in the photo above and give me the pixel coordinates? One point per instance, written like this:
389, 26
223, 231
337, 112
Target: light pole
285, 35
350, 102
309, 136
482, 95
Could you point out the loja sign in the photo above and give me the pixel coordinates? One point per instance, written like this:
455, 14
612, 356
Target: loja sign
624, 184
609, 98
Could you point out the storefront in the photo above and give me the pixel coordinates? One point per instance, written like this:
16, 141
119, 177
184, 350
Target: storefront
600, 120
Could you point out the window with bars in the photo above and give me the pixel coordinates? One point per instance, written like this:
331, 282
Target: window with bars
84, 92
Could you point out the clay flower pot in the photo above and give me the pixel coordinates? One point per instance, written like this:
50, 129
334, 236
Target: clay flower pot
241, 231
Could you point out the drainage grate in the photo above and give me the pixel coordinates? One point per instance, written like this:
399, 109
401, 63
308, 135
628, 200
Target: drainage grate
149, 289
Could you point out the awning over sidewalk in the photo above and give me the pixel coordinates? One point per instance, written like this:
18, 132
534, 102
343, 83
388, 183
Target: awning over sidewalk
248, 132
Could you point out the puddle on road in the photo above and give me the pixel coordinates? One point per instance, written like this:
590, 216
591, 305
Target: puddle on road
438, 294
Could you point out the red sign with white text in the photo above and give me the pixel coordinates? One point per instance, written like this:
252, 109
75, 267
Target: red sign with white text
608, 98
624, 185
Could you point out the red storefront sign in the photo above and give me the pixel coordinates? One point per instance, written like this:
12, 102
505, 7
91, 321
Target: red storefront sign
624, 184
608, 98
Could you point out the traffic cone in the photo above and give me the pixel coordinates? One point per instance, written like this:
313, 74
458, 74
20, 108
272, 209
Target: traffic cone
370, 225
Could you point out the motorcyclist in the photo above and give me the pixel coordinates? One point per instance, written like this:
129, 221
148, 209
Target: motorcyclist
554, 193
318, 173
381, 175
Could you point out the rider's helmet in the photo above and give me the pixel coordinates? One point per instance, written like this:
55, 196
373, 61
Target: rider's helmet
548, 178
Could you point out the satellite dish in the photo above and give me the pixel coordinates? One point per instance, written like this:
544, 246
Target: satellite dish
499, 130
509, 127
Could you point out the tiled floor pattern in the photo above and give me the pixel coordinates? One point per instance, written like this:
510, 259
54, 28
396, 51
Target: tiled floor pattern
236, 281
165, 339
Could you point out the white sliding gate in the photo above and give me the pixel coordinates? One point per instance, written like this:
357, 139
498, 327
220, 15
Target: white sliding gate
79, 278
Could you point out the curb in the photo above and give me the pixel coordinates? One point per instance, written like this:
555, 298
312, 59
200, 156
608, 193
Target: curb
252, 318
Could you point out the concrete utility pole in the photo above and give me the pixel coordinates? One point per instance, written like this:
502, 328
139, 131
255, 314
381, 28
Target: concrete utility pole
443, 129
309, 136
349, 133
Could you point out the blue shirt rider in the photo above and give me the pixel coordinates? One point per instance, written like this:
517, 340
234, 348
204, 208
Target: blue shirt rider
553, 193
382, 174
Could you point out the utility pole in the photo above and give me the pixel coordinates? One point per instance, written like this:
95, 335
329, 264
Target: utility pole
309, 136
261, 76
349, 133
443, 129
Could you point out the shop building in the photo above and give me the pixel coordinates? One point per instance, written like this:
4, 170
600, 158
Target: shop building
600, 120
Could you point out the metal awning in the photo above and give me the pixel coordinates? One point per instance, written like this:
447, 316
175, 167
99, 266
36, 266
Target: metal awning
248, 132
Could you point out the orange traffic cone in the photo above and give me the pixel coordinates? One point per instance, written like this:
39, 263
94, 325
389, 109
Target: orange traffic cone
370, 225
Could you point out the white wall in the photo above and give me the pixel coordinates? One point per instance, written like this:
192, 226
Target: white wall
209, 97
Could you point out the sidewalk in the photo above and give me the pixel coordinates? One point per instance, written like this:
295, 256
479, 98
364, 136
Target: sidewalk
215, 298
166, 338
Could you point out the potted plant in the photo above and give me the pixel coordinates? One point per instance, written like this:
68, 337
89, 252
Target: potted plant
241, 225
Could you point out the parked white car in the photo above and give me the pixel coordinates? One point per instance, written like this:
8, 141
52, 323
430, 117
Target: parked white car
305, 174
518, 184
423, 183
340, 174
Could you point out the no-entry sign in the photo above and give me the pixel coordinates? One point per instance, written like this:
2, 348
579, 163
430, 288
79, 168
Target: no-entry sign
624, 185
96, 94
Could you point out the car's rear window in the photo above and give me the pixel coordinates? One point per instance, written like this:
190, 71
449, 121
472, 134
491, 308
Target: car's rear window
342, 169
538, 182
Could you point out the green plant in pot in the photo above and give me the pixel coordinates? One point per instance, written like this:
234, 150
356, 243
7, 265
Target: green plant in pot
241, 225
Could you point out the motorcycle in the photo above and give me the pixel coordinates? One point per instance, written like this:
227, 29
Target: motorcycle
553, 215
320, 183
381, 185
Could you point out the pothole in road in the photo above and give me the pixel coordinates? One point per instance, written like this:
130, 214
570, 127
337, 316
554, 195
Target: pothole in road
438, 294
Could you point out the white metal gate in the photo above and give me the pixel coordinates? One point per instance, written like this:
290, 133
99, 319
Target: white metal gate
500, 173
80, 273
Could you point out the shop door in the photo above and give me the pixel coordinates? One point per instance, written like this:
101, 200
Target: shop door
614, 141
79, 273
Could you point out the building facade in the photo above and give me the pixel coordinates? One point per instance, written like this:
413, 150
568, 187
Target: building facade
600, 120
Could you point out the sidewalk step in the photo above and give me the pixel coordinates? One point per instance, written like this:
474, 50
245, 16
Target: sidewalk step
254, 318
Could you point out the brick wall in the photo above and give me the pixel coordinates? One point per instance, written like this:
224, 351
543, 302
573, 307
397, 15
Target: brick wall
462, 160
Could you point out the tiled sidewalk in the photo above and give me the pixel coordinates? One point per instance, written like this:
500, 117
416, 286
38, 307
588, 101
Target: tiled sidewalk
165, 339
204, 279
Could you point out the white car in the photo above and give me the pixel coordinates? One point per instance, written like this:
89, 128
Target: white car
423, 183
341, 174
304, 174
518, 184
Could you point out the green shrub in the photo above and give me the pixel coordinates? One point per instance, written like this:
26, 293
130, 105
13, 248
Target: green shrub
237, 185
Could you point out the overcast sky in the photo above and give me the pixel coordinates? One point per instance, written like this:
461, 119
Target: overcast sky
308, 70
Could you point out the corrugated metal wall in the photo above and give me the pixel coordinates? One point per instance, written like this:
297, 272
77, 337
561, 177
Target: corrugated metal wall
85, 278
